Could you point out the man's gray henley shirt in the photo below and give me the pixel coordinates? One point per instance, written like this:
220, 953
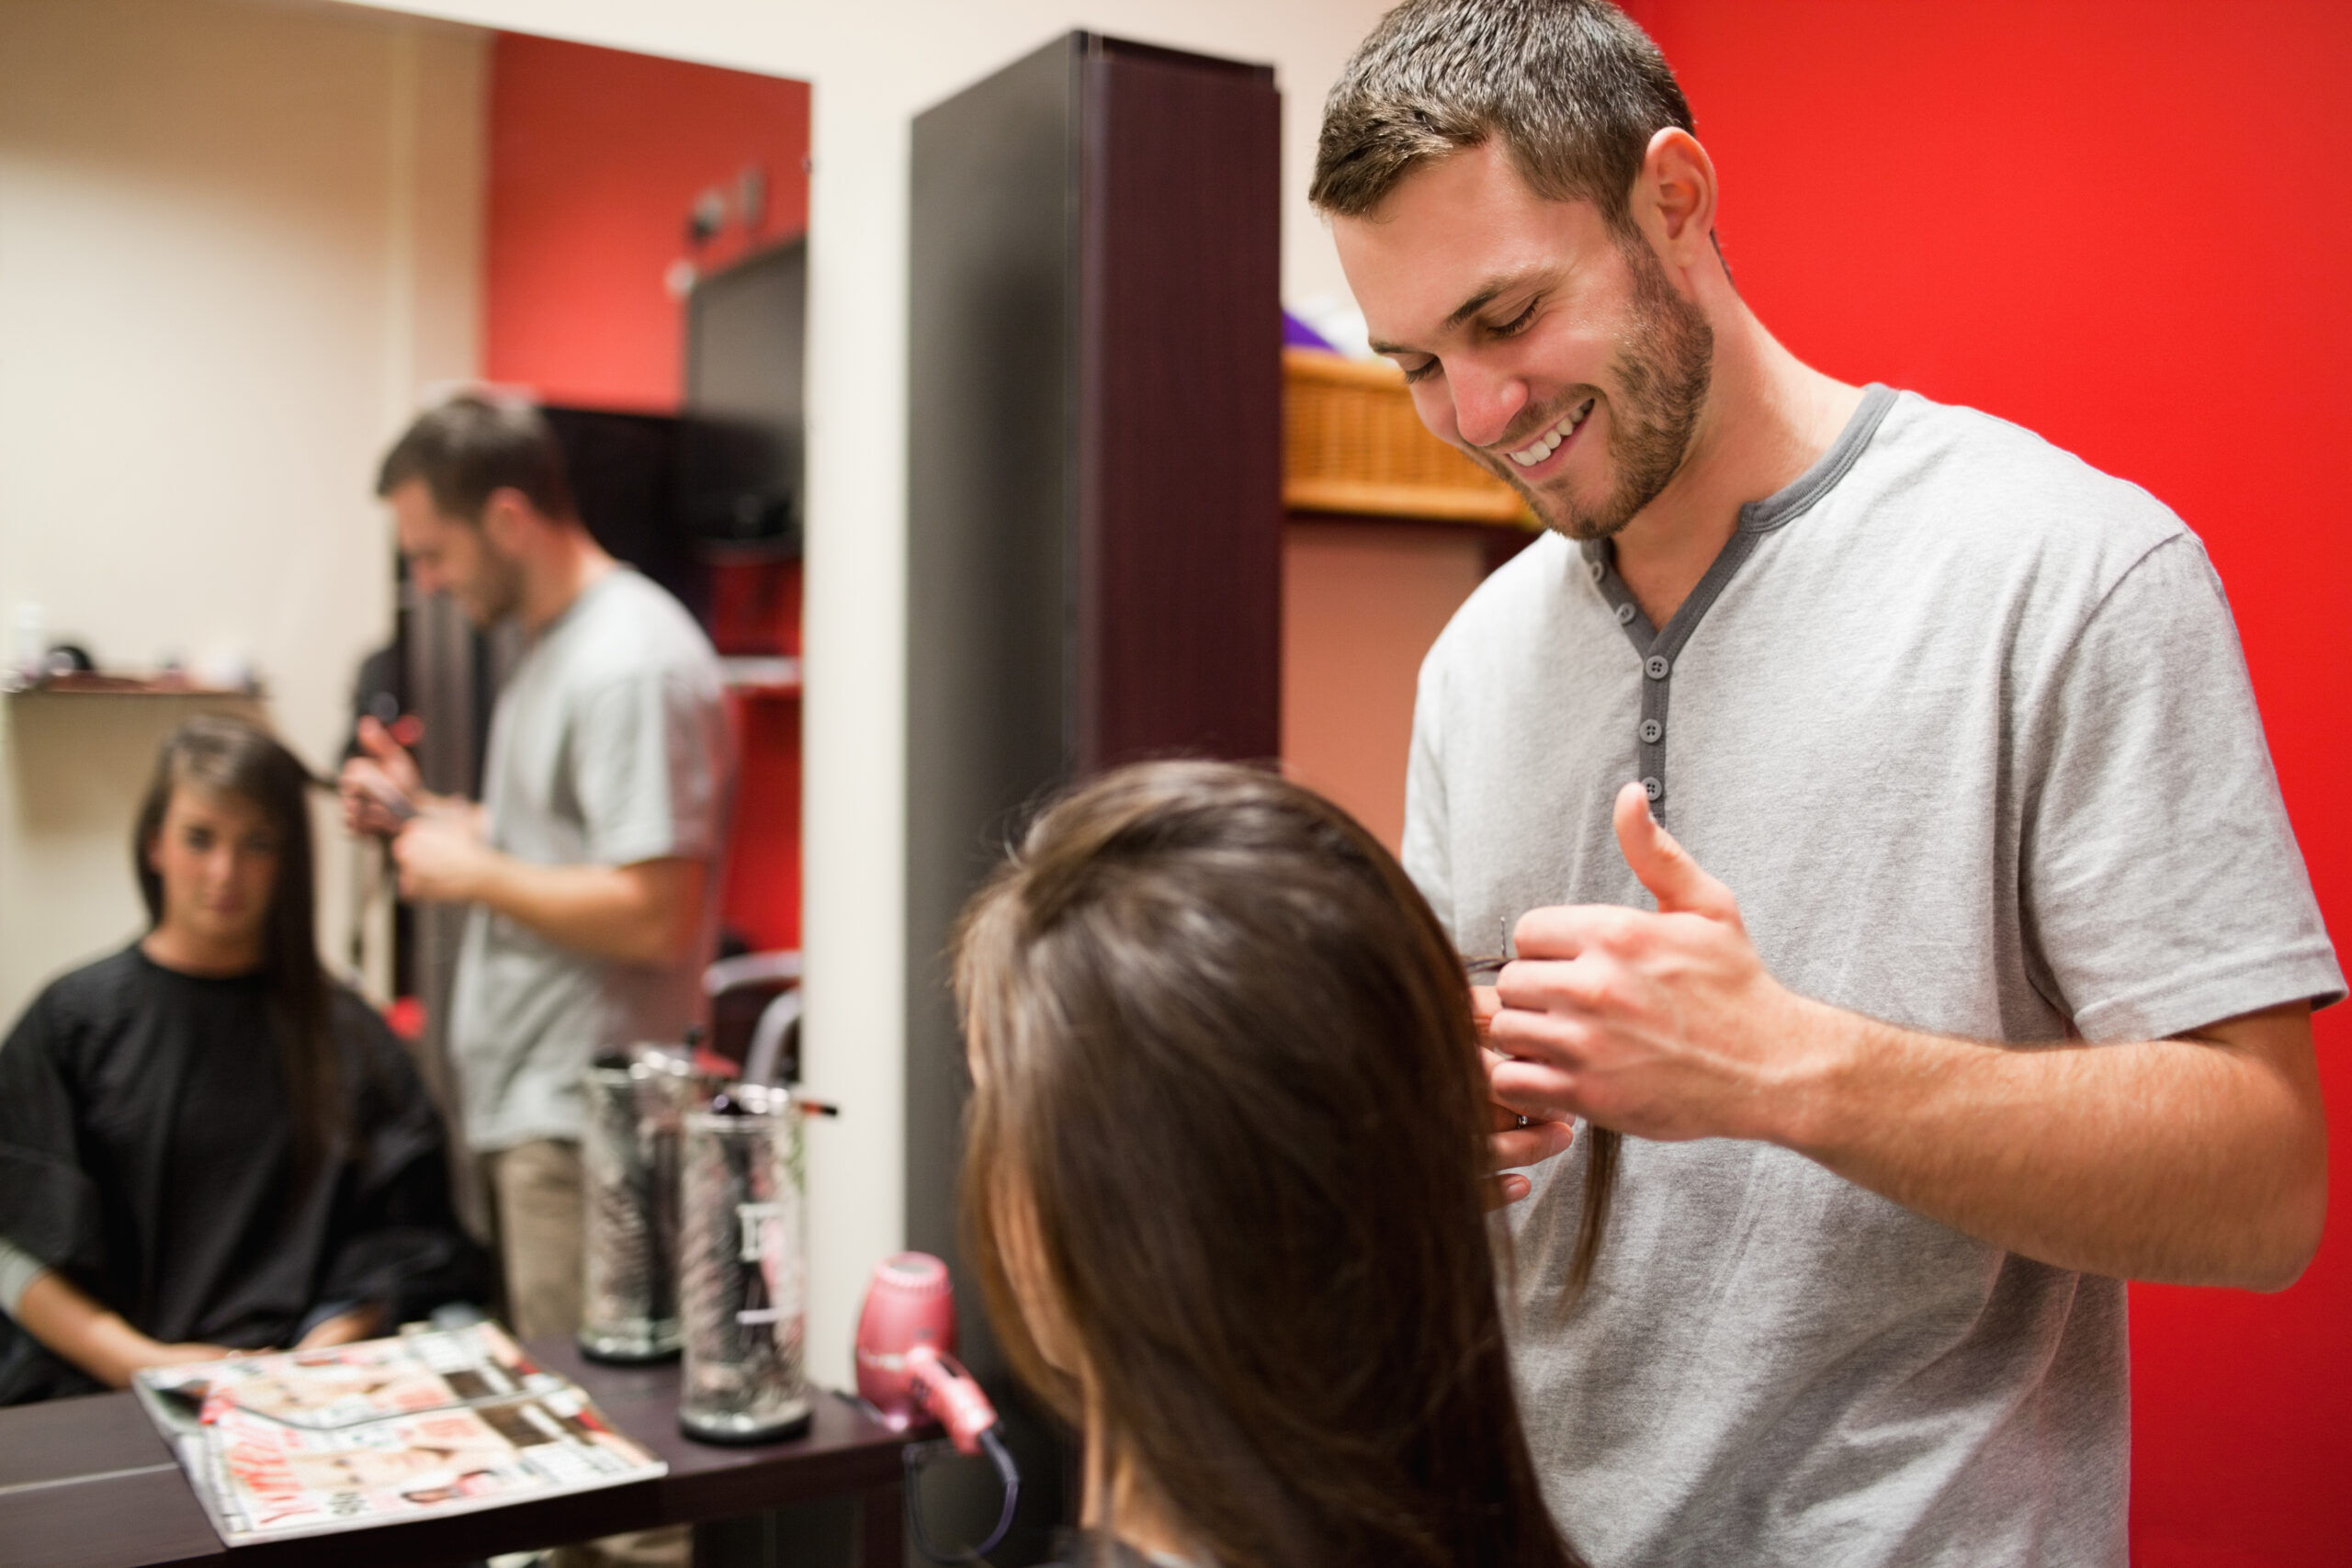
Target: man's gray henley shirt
1965, 726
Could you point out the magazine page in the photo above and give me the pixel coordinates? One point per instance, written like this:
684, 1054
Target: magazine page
435, 1421
269, 1481
421, 1370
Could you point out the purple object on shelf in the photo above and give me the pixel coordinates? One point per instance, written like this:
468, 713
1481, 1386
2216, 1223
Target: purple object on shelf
1298, 334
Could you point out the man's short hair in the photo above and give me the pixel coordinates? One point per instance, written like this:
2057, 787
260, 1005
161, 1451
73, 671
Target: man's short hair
473, 445
1572, 89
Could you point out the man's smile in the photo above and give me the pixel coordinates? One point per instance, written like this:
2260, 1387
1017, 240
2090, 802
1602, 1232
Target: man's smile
1537, 452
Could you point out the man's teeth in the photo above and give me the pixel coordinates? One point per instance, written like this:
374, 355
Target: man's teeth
1544, 445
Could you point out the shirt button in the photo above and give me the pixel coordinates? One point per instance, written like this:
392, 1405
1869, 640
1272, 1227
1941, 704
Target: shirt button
1656, 667
1652, 788
1651, 730
1625, 615
1598, 570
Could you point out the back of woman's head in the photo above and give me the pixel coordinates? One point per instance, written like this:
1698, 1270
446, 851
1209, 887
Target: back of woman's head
1222, 1181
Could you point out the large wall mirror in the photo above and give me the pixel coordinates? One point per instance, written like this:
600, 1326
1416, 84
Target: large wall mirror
242, 242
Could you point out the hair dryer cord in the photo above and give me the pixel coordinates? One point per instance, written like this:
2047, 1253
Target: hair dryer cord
921, 1454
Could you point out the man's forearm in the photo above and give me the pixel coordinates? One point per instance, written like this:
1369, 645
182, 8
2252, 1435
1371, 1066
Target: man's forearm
457, 808
2196, 1160
2193, 1161
646, 913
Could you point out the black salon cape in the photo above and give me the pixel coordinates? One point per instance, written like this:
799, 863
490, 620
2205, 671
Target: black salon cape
147, 1155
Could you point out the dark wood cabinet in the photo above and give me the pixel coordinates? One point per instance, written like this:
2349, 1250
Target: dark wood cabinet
1094, 478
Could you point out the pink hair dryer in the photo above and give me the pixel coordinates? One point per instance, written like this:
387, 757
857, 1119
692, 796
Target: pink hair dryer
907, 1370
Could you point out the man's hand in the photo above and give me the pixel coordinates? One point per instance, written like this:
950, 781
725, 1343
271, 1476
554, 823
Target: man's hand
1663, 1025
1515, 1141
373, 785
442, 858
2201, 1158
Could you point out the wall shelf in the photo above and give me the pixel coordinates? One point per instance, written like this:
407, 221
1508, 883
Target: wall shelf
1353, 444
91, 683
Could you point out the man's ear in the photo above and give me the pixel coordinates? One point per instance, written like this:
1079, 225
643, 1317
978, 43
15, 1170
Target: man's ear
1674, 197
504, 517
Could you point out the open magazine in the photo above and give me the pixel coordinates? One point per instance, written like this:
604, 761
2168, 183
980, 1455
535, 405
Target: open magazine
436, 1421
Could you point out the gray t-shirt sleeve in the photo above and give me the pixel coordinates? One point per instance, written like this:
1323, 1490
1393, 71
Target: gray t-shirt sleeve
641, 763
1423, 850
2162, 885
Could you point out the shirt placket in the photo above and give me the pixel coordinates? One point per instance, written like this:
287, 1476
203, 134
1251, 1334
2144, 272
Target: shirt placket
1657, 649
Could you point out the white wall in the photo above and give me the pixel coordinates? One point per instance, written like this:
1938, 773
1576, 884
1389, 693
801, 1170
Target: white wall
234, 240
874, 65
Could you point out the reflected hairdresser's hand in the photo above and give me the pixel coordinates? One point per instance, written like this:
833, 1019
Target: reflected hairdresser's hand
442, 858
1516, 1141
1664, 1025
370, 785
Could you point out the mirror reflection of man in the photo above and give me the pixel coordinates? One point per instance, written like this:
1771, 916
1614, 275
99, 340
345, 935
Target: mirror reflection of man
1995, 988
589, 865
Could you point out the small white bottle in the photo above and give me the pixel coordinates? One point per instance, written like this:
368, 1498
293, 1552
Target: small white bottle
28, 645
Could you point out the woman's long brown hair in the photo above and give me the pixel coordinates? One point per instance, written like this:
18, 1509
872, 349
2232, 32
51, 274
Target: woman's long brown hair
1602, 1147
231, 756
1223, 1177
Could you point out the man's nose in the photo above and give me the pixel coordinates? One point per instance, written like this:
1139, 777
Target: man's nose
1484, 406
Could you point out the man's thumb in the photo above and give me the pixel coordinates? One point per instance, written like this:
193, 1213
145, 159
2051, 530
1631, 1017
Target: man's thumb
1664, 866
376, 740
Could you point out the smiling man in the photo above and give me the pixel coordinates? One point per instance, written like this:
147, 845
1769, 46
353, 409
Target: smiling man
1976, 976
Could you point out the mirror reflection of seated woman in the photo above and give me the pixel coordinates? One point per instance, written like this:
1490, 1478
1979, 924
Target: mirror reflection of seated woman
1223, 1183
207, 1144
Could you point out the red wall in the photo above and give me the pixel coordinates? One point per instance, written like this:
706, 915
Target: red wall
2124, 224
595, 159
759, 896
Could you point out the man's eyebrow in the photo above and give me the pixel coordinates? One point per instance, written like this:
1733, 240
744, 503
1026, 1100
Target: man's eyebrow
1488, 292
1478, 301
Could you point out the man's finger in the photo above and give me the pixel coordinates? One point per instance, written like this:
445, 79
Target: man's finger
1530, 1035
377, 742
1501, 1118
1530, 1145
1545, 1095
363, 806
1663, 866
1502, 1191
1570, 930
1572, 986
1483, 1004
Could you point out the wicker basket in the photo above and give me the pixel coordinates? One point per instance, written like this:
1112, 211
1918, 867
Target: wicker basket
1353, 443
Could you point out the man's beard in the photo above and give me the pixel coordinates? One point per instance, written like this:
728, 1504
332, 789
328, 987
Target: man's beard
1662, 376
497, 590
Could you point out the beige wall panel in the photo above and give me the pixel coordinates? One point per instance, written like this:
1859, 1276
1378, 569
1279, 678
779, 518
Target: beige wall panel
234, 240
